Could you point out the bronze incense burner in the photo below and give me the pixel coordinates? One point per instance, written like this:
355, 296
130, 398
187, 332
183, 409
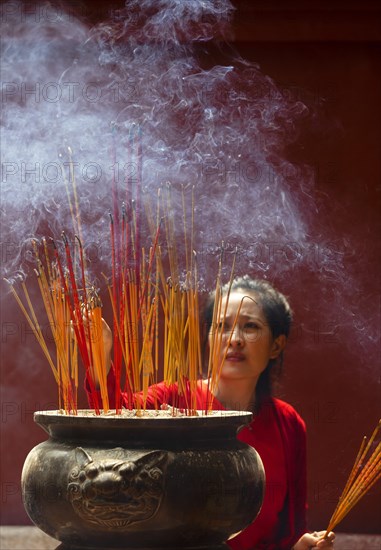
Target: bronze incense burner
153, 482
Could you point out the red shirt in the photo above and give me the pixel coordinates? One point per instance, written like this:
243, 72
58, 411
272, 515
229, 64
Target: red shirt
278, 434
270, 449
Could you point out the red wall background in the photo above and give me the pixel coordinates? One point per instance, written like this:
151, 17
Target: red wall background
329, 51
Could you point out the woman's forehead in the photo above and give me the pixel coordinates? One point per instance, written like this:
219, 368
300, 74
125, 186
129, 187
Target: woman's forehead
249, 300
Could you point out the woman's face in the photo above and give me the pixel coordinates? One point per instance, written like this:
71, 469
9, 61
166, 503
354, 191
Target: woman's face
246, 339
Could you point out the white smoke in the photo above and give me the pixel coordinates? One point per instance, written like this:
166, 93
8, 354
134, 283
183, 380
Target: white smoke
220, 127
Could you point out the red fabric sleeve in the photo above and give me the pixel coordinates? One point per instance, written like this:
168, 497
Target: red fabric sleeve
300, 480
157, 395
293, 520
95, 396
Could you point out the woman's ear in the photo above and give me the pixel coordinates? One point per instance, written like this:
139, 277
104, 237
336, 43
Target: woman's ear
278, 346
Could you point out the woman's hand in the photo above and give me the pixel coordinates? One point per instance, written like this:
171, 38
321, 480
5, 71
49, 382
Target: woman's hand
107, 342
315, 540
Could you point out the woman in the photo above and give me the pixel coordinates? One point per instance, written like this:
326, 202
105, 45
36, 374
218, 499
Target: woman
254, 329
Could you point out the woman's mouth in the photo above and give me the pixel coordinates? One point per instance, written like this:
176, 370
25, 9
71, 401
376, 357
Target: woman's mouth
235, 357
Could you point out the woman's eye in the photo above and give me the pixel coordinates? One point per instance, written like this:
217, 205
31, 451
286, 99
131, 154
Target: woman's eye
251, 326
220, 326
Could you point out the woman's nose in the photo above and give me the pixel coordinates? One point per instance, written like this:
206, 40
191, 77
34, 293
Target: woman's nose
237, 337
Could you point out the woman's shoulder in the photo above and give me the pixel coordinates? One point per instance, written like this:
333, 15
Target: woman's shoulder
287, 413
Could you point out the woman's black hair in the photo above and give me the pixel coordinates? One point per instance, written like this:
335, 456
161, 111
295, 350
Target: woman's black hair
278, 315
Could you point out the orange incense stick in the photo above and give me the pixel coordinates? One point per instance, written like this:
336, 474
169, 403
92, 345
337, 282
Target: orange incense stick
364, 474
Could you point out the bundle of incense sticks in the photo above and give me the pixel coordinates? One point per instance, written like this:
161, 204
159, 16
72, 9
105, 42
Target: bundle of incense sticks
147, 289
365, 473
65, 369
143, 298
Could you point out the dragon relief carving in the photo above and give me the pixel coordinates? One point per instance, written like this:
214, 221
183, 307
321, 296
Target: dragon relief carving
117, 493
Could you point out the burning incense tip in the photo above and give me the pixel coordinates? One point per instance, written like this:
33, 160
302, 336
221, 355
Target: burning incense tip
64, 238
78, 241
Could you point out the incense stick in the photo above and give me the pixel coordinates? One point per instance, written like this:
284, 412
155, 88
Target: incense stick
365, 472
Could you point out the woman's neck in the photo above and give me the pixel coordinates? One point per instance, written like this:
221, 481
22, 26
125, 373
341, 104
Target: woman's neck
238, 395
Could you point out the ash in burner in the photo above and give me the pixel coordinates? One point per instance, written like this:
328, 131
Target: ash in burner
164, 413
